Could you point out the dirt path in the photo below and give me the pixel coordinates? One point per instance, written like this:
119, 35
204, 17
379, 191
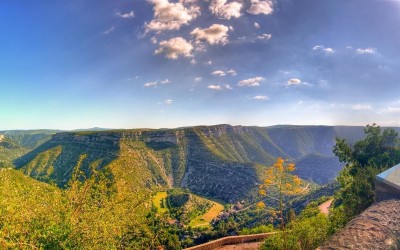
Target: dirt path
324, 207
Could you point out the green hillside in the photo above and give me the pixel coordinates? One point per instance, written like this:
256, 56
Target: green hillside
219, 161
15, 143
102, 183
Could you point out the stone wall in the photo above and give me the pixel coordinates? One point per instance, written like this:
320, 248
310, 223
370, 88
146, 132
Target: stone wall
230, 240
378, 227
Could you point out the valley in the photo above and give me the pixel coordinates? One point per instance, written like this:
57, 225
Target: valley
196, 178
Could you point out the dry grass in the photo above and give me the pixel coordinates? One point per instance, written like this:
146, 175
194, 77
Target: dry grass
159, 199
205, 219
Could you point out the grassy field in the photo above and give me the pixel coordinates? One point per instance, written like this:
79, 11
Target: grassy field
205, 219
160, 202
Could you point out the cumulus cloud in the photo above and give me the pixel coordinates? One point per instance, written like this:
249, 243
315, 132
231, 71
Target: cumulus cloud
215, 34
251, 82
174, 48
261, 97
321, 48
224, 10
261, 7
368, 51
150, 84
264, 36
293, 82
126, 15
231, 72
218, 73
214, 87
219, 87
172, 16
153, 40
257, 25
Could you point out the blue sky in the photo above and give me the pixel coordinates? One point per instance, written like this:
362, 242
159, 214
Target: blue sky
171, 63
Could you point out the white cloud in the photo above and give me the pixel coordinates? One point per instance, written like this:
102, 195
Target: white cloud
224, 73
126, 15
321, 48
366, 51
193, 61
174, 48
166, 81
264, 36
172, 16
219, 87
361, 107
156, 83
225, 10
257, 25
150, 84
231, 72
168, 101
109, 30
218, 73
228, 86
261, 98
293, 82
215, 87
153, 40
261, 7
251, 82
215, 34
198, 79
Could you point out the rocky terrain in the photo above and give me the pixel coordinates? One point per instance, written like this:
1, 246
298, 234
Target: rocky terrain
221, 161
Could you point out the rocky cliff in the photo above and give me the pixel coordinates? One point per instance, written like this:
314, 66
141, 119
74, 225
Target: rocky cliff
220, 161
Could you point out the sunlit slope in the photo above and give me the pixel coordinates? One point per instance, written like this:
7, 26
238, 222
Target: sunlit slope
15, 143
9, 150
219, 161
27, 205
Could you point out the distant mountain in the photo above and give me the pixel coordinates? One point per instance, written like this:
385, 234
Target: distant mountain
219, 161
15, 143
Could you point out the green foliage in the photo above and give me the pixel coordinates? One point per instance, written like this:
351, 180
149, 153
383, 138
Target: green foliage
379, 151
306, 232
258, 230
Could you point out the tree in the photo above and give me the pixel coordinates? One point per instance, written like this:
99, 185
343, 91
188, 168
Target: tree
379, 151
279, 179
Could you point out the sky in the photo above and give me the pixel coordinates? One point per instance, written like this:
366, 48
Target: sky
173, 63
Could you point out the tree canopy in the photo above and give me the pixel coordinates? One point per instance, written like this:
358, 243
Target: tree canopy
378, 151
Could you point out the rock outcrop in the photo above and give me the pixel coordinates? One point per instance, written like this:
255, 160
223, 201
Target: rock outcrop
376, 228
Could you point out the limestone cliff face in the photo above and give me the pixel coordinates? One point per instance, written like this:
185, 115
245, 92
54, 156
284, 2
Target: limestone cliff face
114, 137
219, 161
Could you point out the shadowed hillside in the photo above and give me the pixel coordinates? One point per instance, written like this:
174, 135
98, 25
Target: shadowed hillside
219, 161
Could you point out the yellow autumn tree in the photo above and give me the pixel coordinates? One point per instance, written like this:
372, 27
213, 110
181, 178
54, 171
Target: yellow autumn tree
278, 179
